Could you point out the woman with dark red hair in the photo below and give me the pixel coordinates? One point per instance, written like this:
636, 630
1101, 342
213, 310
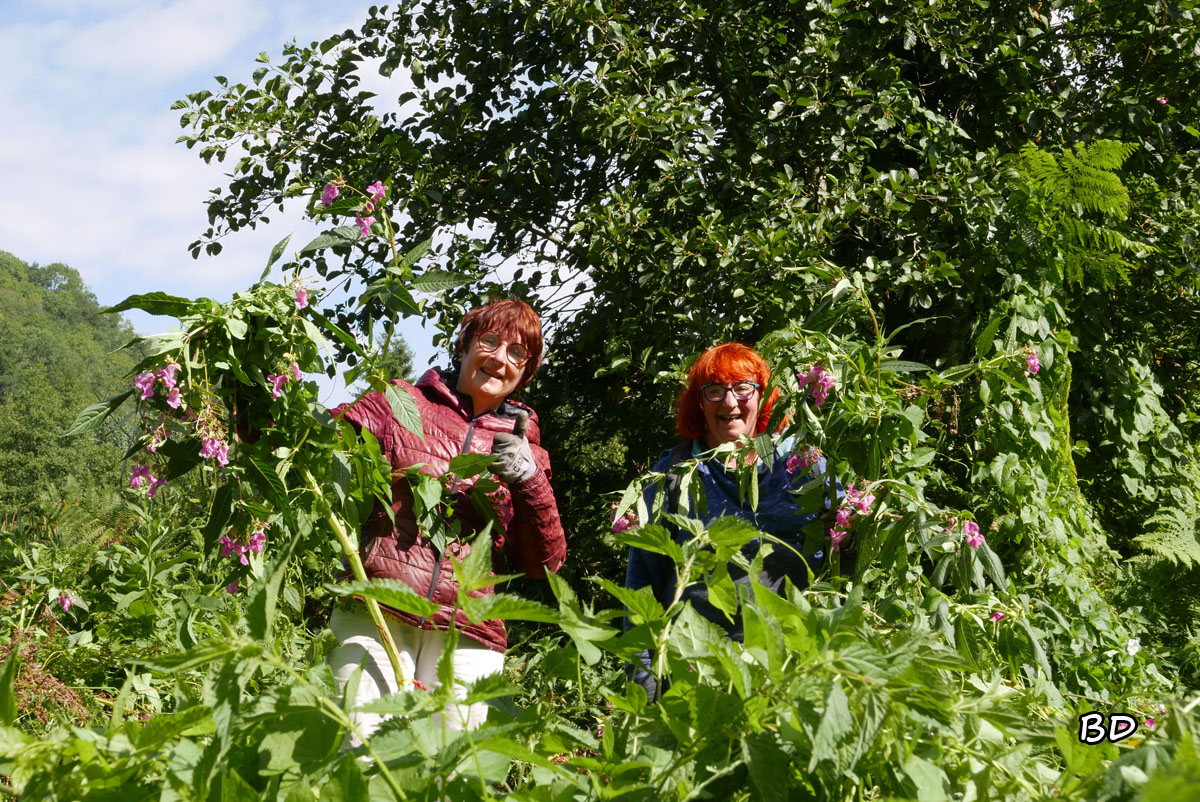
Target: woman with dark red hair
467, 410
724, 402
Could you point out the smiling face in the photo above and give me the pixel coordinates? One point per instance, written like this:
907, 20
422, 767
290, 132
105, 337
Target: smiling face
729, 419
487, 378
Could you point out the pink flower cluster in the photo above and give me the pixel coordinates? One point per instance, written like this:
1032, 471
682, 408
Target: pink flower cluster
329, 194
856, 503
277, 382
1032, 364
626, 521
142, 476
973, 535
820, 380
65, 602
301, 298
803, 459
230, 547
375, 194
211, 447
166, 376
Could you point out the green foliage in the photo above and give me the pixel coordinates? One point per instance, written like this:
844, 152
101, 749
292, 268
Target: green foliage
921, 198
55, 354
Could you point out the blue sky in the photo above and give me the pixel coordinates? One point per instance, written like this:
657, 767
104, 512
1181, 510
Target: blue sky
92, 174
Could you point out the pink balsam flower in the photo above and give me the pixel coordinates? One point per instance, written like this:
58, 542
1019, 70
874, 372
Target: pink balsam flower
155, 484
65, 602
258, 539
167, 375
145, 383
376, 191
173, 399
232, 587
277, 383
295, 369
301, 298
1151, 723
328, 194
364, 224
141, 475
973, 535
1032, 363
998, 616
837, 536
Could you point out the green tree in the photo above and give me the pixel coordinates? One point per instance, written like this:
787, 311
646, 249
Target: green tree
673, 175
56, 357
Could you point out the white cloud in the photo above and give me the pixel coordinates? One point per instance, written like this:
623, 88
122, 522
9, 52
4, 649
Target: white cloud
92, 174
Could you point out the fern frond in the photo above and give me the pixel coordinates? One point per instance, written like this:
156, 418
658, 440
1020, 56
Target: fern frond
1174, 533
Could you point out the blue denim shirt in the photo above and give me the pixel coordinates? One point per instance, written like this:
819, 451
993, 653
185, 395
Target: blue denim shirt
778, 514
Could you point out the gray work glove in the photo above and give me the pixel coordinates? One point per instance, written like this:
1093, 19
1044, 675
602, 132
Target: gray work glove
514, 461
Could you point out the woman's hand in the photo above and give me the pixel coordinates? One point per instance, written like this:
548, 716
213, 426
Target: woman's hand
514, 460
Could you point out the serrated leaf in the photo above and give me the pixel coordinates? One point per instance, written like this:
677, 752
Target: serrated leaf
404, 408
465, 466
836, 725
93, 416
154, 303
344, 235
435, 281
390, 592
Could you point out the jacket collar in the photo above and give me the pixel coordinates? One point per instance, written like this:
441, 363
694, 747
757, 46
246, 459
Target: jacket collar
442, 385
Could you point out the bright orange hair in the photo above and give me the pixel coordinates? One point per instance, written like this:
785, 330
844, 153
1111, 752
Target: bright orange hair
514, 320
722, 364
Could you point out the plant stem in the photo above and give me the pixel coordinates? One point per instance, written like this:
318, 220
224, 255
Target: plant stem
356, 566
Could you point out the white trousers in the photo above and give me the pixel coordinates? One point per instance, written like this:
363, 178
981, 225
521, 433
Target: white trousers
420, 650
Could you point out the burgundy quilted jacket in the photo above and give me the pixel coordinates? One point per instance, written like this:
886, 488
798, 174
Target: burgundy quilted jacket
533, 534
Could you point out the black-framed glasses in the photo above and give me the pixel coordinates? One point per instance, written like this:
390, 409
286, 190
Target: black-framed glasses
742, 391
489, 341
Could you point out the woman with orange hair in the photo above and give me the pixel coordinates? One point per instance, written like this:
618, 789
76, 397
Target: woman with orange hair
724, 402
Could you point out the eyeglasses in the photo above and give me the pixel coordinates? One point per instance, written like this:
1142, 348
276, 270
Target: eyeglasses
489, 341
742, 391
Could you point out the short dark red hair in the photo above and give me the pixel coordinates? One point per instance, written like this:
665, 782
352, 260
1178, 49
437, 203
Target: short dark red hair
514, 320
722, 364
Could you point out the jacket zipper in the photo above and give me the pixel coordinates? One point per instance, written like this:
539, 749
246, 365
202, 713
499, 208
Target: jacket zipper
470, 433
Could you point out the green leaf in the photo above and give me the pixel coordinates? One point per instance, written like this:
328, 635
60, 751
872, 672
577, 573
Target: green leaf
957, 373
270, 485
652, 537
390, 592
509, 607
901, 366
465, 466
769, 766
338, 333
641, 604
345, 235
155, 303
202, 654
8, 699
836, 725
436, 281
405, 409
732, 531
276, 252
928, 778
264, 594
94, 415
